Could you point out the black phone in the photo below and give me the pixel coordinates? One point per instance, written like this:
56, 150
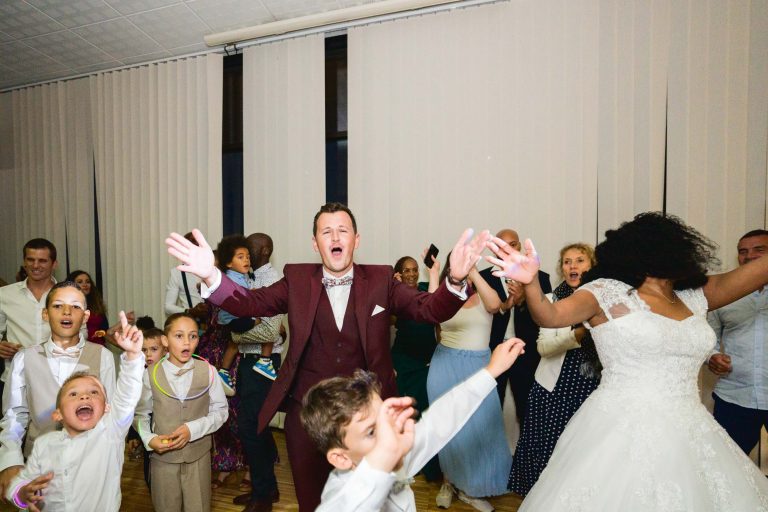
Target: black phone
431, 252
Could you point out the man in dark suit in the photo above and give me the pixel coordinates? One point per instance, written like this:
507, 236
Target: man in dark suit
339, 319
520, 376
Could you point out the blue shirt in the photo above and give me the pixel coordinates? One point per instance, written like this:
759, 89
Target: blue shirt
742, 333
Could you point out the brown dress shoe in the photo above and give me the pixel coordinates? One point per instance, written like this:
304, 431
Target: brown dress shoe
258, 506
244, 499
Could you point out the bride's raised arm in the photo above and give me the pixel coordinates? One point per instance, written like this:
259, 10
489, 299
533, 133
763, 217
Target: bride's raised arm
722, 289
524, 268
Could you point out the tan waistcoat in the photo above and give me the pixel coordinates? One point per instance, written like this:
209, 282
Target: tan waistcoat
42, 388
169, 413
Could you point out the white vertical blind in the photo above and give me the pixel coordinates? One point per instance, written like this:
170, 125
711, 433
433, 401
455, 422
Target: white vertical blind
633, 50
284, 143
483, 117
10, 254
719, 118
47, 189
157, 132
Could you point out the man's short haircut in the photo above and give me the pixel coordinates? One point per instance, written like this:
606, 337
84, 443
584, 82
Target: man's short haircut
330, 405
754, 232
333, 208
64, 284
153, 332
39, 243
75, 376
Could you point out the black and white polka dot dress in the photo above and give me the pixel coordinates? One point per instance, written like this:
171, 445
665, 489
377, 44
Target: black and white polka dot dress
548, 414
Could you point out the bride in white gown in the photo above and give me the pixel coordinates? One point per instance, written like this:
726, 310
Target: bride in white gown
643, 441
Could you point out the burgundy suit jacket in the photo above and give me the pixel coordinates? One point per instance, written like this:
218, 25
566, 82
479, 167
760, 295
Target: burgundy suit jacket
298, 295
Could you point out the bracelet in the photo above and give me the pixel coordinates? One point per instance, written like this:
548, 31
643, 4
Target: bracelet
15, 498
457, 282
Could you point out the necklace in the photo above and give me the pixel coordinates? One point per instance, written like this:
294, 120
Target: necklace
659, 293
157, 384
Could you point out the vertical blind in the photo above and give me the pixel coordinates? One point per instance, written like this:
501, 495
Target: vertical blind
157, 133
484, 118
283, 146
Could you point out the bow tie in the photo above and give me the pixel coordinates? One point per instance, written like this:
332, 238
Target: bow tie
72, 352
330, 282
182, 371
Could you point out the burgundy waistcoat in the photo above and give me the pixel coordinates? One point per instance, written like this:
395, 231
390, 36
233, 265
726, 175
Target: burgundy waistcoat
329, 353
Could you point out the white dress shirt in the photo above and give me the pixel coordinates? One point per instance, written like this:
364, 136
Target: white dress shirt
87, 467
338, 296
13, 426
218, 409
367, 489
176, 296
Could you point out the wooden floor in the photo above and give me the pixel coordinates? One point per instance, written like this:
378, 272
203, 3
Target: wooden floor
136, 498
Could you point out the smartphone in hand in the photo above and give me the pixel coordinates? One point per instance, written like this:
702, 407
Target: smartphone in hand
433, 250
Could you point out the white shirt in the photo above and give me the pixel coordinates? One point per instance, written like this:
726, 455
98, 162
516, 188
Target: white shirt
338, 296
218, 409
176, 296
367, 489
87, 467
13, 426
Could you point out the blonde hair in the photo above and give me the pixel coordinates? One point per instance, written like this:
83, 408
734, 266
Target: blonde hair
587, 249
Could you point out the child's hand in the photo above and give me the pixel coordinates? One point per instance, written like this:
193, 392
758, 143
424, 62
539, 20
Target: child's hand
504, 355
30, 493
160, 444
197, 259
394, 434
179, 437
129, 337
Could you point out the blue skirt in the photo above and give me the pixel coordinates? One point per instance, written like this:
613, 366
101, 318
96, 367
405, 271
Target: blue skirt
477, 459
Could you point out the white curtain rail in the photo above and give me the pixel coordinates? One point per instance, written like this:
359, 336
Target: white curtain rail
339, 19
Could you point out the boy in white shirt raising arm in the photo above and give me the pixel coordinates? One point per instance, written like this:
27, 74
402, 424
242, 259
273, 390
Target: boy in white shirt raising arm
79, 467
374, 446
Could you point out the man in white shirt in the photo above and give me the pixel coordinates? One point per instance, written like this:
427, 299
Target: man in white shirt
182, 293
21, 304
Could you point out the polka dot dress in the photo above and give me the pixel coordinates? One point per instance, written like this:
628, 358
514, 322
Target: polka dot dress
548, 414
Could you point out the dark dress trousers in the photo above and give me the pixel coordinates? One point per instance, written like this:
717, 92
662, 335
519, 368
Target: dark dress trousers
318, 350
520, 376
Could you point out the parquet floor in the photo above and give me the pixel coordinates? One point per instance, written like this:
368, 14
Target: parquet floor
136, 497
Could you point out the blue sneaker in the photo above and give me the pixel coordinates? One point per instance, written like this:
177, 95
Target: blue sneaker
226, 382
264, 367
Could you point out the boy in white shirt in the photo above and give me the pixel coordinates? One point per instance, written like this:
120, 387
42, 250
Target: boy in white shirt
37, 373
79, 467
187, 402
374, 446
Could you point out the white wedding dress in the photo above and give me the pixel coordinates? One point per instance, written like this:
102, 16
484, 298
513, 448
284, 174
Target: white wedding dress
643, 441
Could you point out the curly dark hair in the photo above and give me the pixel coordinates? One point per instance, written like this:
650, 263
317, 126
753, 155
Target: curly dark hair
654, 245
227, 248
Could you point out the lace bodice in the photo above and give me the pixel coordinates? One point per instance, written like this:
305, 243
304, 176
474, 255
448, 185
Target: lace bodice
642, 351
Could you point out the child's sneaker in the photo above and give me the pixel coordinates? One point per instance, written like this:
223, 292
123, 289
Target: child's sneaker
265, 368
226, 382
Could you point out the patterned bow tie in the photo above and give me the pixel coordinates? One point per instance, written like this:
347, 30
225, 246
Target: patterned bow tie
330, 282
72, 352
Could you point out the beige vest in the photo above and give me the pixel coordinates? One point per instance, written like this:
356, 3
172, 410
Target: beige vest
169, 413
42, 388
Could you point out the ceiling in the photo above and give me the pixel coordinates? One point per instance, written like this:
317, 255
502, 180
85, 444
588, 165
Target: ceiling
46, 39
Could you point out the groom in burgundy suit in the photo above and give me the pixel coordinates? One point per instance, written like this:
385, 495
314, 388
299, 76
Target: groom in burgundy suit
339, 316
